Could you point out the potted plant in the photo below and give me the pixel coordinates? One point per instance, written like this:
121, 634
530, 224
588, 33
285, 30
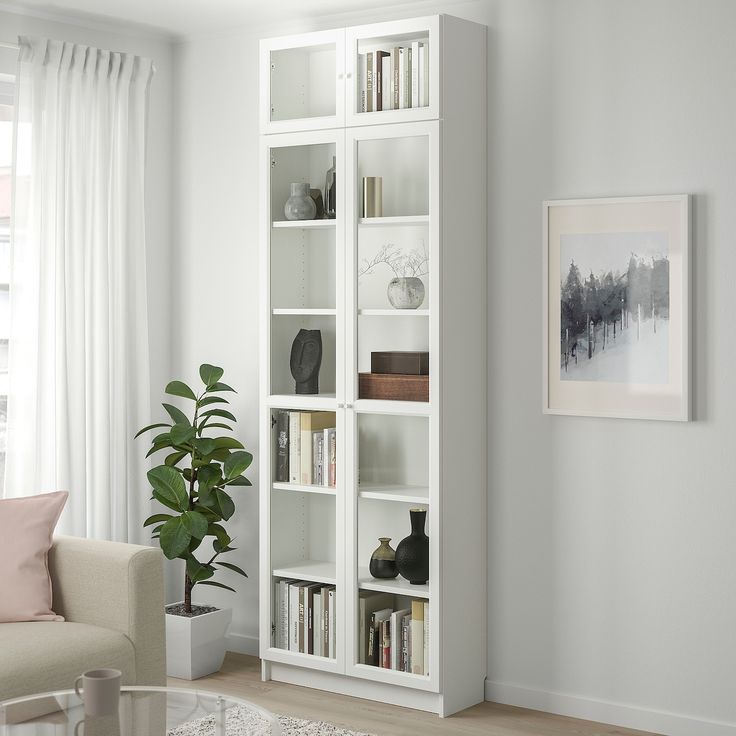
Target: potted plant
201, 466
406, 289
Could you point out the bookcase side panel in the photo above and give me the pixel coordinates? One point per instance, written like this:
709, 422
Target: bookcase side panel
463, 376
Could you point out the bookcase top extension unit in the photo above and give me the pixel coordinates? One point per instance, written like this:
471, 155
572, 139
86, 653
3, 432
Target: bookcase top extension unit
365, 462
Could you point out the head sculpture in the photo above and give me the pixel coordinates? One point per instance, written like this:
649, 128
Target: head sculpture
306, 359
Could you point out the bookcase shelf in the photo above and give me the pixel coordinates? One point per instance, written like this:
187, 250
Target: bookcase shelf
385, 457
304, 224
397, 586
315, 571
301, 488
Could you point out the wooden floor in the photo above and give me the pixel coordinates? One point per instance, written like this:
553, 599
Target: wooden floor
241, 676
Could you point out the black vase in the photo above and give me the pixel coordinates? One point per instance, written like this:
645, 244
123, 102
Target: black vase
383, 560
412, 554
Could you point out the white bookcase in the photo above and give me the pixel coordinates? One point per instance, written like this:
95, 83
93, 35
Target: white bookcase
391, 455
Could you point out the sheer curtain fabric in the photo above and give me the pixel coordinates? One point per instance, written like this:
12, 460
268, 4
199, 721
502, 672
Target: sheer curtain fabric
79, 369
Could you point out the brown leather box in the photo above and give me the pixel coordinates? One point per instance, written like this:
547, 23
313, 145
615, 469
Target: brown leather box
393, 386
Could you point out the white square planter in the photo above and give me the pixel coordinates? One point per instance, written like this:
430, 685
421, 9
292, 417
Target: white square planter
195, 646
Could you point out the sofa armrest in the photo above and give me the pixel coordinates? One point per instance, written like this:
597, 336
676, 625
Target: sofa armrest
115, 586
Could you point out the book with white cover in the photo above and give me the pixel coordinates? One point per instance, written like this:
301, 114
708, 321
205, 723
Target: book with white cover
395, 73
294, 616
424, 75
426, 638
362, 82
318, 633
294, 446
396, 617
415, 73
403, 76
417, 637
387, 75
333, 623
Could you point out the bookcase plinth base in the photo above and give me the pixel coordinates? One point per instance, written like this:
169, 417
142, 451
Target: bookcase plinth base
358, 688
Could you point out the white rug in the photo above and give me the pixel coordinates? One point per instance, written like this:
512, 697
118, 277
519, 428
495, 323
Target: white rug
242, 722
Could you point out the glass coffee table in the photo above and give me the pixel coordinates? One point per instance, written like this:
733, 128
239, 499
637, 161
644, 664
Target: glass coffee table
143, 711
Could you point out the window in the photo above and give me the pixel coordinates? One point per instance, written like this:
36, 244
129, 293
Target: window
6, 161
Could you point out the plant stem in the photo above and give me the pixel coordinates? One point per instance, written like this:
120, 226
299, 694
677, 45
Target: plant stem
188, 582
188, 585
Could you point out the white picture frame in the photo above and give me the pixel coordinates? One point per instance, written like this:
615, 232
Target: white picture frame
646, 372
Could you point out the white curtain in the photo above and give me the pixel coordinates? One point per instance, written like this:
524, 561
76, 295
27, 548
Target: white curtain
78, 371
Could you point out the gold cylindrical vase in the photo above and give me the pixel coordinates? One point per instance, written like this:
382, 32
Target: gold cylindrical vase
372, 196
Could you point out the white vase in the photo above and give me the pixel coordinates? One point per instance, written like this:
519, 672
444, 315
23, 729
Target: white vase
195, 646
406, 292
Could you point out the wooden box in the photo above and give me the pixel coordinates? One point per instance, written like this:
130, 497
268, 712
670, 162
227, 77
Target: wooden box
393, 386
413, 363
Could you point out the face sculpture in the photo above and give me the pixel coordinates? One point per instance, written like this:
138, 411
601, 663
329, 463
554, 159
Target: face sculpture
306, 358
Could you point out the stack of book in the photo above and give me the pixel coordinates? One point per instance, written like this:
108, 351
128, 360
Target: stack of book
391, 636
306, 447
395, 79
304, 617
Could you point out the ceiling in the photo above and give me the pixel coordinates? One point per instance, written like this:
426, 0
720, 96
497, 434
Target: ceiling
183, 18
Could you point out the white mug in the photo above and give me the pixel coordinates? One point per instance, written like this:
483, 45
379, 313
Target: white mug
100, 691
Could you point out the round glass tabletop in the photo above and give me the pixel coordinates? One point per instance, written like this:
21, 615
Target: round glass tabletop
142, 711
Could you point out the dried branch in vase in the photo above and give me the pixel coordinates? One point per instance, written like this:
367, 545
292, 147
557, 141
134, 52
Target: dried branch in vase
415, 263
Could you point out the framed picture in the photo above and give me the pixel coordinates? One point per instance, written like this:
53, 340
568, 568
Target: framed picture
616, 307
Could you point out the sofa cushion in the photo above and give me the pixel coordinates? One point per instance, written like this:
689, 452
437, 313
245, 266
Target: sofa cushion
41, 656
26, 528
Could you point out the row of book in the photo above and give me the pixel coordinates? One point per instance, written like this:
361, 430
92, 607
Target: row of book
305, 616
306, 447
391, 636
395, 79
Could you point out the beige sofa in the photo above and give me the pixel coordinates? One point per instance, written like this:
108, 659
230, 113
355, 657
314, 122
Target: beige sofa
112, 597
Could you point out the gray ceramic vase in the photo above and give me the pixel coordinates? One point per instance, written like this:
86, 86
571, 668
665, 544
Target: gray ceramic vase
406, 292
300, 205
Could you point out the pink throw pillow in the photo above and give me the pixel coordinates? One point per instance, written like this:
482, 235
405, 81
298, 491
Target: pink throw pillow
26, 530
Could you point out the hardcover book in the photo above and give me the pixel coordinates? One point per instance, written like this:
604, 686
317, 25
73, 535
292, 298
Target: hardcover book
311, 421
282, 446
368, 603
417, 637
294, 445
369, 82
396, 619
395, 73
378, 57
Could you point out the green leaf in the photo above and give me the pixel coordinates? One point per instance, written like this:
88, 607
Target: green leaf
210, 374
176, 414
179, 388
237, 463
182, 434
213, 400
165, 502
162, 438
218, 585
195, 524
216, 530
218, 424
234, 568
228, 442
221, 387
204, 445
241, 480
175, 457
157, 447
175, 538
208, 476
170, 485
219, 502
156, 518
151, 426
197, 571
224, 413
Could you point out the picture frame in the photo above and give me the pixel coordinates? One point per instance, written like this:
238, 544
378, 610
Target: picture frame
616, 307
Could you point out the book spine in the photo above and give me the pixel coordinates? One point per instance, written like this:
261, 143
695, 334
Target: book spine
417, 637
425, 642
424, 75
386, 77
331, 626
407, 79
415, 74
284, 614
333, 458
300, 632
275, 613
404, 663
326, 622
294, 617
395, 73
369, 82
317, 605
402, 77
309, 615
315, 458
395, 640
305, 475
377, 80
282, 446
362, 81
386, 651
294, 445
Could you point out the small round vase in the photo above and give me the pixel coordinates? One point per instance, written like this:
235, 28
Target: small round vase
406, 292
383, 560
300, 205
412, 554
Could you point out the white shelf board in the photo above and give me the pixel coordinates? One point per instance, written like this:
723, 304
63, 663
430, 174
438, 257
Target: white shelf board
298, 658
313, 402
399, 408
393, 312
393, 221
304, 312
379, 674
314, 571
304, 224
397, 493
397, 586
301, 488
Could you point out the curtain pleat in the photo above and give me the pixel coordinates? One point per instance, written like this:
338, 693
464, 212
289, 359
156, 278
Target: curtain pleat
79, 365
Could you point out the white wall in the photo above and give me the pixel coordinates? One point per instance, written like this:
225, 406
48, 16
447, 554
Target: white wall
159, 154
611, 543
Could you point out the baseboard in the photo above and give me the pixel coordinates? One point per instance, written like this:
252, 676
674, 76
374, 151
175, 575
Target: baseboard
242, 644
617, 714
